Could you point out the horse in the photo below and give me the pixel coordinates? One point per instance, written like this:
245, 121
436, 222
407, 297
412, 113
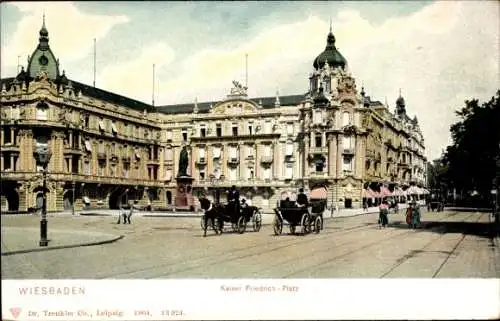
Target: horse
213, 214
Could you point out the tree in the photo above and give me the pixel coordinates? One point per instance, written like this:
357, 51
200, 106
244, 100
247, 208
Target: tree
471, 161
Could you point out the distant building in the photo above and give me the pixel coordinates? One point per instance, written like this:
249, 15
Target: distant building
108, 149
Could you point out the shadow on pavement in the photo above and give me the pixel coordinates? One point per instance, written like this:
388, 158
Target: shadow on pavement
486, 230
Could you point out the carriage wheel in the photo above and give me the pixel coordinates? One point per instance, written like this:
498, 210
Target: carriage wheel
304, 222
292, 229
257, 221
277, 226
318, 224
242, 225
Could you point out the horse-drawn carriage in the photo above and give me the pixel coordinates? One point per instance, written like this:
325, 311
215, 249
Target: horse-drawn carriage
216, 215
309, 219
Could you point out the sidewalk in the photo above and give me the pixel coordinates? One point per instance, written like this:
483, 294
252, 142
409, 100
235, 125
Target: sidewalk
17, 240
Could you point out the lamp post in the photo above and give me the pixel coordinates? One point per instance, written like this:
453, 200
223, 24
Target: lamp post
44, 155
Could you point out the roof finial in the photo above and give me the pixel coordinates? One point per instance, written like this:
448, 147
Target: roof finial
330, 24
399, 92
43, 18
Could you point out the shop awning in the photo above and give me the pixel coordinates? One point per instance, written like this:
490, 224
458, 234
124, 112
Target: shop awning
385, 192
319, 193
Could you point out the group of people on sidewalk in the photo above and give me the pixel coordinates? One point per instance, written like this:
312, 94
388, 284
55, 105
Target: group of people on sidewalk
123, 213
412, 214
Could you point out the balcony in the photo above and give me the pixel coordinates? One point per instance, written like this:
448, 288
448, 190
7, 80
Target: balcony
321, 175
233, 160
10, 147
266, 159
201, 161
348, 151
318, 150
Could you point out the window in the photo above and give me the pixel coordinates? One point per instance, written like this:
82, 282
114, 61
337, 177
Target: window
289, 129
201, 152
235, 130
126, 170
250, 174
289, 171
250, 151
267, 127
318, 140
232, 174
202, 175
346, 142
266, 173
346, 119
217, 152
267, 150
203, 132
7, 138
101, 168
168, 154
86, 168
218, 130
42, 111
319, 165
289, 149
86, 121
184, 134
169, 134
102, 126
233, 152
317, 117
347, 163
250, 129
114, 130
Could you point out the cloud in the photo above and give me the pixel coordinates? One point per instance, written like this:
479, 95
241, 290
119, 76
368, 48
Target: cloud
75, 31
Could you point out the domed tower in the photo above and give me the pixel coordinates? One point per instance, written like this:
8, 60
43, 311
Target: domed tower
327, 66
42, 59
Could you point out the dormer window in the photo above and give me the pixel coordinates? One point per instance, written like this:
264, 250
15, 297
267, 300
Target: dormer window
250, 129
218, 130
235, 130
203, 131
184, 134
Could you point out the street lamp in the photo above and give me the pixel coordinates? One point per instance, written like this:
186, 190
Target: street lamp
43, 155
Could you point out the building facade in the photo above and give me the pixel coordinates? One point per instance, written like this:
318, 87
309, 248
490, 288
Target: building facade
108, 149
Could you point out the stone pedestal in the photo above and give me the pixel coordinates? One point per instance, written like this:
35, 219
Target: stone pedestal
184, 199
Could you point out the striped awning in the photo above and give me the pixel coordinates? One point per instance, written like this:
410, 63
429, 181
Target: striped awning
385, 192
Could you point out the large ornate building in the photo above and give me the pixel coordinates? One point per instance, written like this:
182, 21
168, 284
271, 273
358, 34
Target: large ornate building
108, 149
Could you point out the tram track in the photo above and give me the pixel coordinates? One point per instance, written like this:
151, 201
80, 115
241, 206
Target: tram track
358, 249
297, 239
427, 245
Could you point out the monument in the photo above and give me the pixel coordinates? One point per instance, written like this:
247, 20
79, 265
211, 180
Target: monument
184, 200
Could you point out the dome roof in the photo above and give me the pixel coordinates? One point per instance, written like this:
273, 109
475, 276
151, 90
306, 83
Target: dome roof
330, 55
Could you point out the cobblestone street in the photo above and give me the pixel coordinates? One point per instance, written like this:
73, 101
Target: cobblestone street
449, 244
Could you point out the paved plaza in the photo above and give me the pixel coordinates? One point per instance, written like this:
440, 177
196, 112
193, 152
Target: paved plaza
449, 244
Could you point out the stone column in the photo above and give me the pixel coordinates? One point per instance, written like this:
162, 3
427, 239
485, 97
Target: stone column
258, 164
306, 154
276, 160
241, 158
1, 163
210, 161
332, 159
339, 158
224, 162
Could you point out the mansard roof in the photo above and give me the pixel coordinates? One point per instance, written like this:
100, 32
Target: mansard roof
204, 107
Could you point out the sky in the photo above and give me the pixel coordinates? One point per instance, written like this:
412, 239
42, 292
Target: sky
438, 53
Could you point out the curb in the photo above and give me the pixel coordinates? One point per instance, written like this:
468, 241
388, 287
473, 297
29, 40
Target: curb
64, 246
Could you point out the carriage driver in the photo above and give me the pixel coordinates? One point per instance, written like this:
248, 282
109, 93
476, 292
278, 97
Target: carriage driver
233, 199
302, 200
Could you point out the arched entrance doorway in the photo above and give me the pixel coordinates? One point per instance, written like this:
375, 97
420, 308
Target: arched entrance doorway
12, 199
117, 198
68, 200
169, 198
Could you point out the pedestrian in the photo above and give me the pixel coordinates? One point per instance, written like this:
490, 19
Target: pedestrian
383, 211
120, 213
416, 214
127, 218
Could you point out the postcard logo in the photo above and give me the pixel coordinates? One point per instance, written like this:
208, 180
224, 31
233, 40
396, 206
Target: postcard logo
15, 312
